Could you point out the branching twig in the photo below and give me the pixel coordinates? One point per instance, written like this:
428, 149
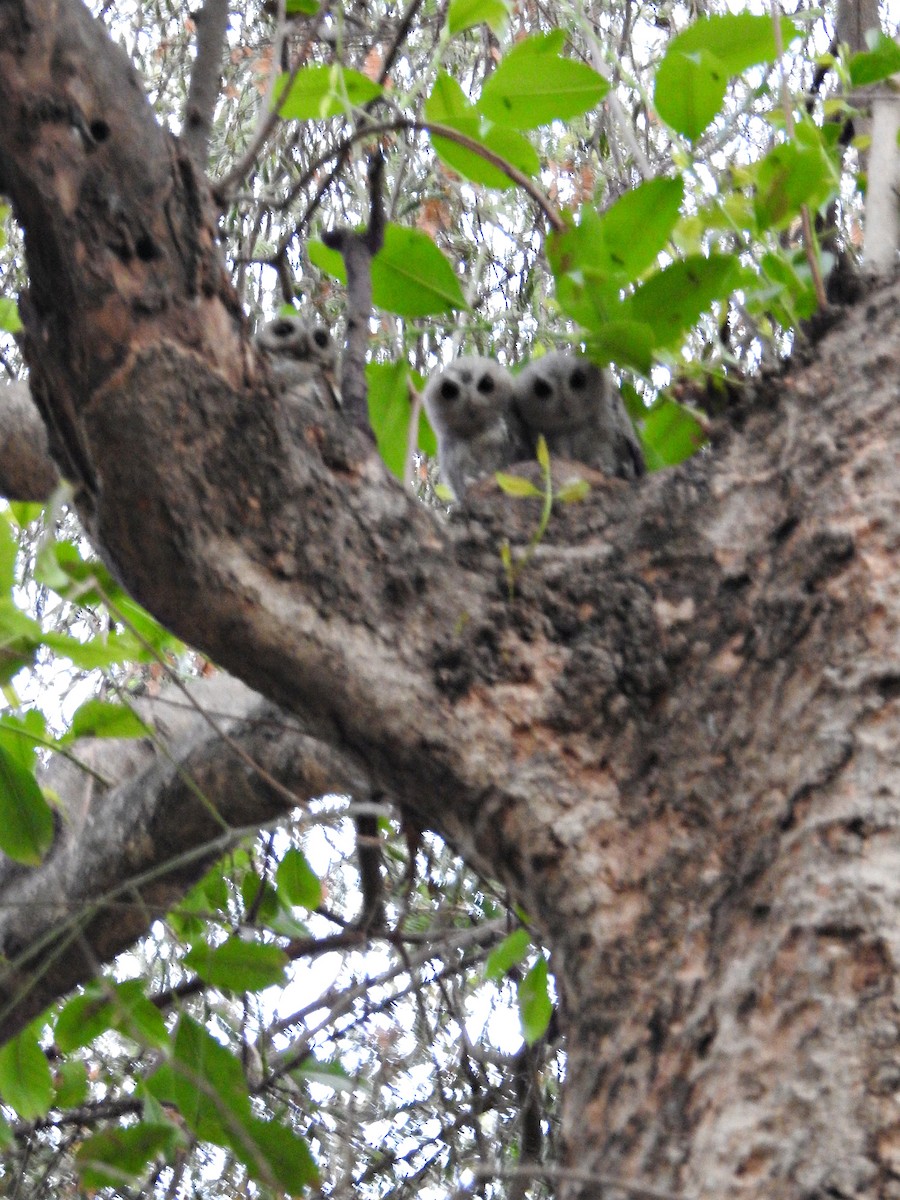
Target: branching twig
358, 250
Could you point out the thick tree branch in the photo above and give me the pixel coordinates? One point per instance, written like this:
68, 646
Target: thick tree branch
142, 823
212, 25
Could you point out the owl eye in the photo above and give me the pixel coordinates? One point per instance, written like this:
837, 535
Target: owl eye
321, 338
578, 379
542, 389
449, 390
485, 385
282, 329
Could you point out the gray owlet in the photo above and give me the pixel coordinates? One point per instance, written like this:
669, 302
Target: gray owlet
470, 406
578, 409
300, 353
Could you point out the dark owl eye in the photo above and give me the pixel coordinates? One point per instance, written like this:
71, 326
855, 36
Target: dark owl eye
449, 390
542, 389
321, 338
282, 329
578, 379
485, 385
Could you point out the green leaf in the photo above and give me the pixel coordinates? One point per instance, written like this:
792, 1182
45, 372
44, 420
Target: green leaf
297, 882
673, 299
117, 1157
532, 87
71, 1083
21, 735
327, 260
285, 1155
787, 178
412, 278
535, 1005
100, 718
629, 343
447, 105
670, 433
123, 1007
625, 240
573, 492
514, 948
390, 411
693, 75
515, 485
303, 8
881, 61
543, 452
463, 14
318, 92
26, 819
7, 1137
9, 315
25, 1080
327, 1074
238, 966
205, 1082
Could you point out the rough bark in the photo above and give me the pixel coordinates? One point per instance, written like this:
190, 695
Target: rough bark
676, 742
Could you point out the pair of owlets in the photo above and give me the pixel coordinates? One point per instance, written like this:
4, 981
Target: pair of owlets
485, 419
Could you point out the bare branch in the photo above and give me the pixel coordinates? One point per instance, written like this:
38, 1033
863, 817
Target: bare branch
212, 25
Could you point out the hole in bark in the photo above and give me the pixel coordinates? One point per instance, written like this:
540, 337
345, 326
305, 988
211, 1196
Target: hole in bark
100, 131
145, 248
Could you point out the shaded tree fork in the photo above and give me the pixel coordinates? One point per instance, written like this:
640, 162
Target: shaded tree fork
676, 746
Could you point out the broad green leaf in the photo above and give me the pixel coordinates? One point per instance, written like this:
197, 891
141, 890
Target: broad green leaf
71, 1083
390, 410
117, 1157
447, 105
514, 949
26, 819
881, 61
508, 145
327, 260
693, 75
25, 1080
9, 315
787, 178
463, 14
673, 299
515, 485
412, 278
205, 1082
284, 1155
535, 1005
628, 343
101, 718
123, 1007
670, 434
625, 240
305, 8
7, 1137
532, 87
297, 882
318, 92
543, 452
238, 966
21, 735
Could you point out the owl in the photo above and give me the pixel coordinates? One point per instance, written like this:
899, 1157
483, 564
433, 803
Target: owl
578, 409
300, 352
470, 406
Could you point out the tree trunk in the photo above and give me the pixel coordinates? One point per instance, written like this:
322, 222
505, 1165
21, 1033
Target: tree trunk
675, 741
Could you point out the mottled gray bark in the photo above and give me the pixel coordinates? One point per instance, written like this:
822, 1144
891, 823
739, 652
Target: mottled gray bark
675, 742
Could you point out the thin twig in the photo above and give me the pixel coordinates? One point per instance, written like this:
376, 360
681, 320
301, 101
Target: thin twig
638, 1191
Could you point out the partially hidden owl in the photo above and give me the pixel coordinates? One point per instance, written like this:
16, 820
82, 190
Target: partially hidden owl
470, 406
577, 407
300, 352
